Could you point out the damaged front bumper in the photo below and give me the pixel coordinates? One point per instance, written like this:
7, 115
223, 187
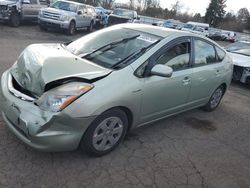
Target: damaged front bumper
5, 15
42, 130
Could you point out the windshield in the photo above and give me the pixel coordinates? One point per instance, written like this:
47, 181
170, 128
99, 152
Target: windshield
62, 5
240, 48
123, 12
188, 26
110, 46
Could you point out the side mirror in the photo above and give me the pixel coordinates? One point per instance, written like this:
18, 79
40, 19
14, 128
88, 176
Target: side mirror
138, 18
162, 70
79, 12
26, 2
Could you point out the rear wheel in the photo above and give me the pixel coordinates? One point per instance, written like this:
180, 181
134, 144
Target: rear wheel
72, 28
105, 133
15, 20
90, 27
215, 99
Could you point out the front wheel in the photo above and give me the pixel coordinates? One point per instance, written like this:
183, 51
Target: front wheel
72, 28
215, 99
90, 27
15, 20
105, 133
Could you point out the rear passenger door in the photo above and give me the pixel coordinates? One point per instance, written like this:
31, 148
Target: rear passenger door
207, 71
80, 17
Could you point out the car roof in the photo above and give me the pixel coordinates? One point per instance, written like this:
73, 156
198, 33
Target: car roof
159, 31
162, 31
76, 3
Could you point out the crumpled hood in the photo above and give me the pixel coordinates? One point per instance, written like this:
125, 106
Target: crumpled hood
3, 2
40, 64
240, 60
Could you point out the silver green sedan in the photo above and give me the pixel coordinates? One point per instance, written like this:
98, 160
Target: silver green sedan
91, 92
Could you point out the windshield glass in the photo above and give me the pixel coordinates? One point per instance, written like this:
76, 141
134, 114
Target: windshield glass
188, 26
240, 48
123, 12
62, 5
109, 46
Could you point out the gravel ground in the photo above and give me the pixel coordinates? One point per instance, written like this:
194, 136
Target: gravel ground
192, 149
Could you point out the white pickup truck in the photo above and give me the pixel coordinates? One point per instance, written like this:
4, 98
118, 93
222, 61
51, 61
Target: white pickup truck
67, 15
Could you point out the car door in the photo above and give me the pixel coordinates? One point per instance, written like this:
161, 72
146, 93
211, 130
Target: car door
163, 96
26, 9
80, 17
34, 9
207, 71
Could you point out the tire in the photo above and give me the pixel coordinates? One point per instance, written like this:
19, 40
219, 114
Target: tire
15, 20
90, 27
215, 99
72, 28
105, 133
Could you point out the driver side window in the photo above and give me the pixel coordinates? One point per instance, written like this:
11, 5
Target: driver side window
176, 57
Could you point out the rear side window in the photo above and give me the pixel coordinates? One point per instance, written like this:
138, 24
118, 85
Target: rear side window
220, 53
204, 53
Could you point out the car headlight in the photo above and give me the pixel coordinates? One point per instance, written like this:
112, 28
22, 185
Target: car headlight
60, 97
64, 17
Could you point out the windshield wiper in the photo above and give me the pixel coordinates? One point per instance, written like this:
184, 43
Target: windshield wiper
134, 54
111, 44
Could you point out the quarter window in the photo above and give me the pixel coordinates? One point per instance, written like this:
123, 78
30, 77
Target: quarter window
204, 53
176, 57
221, 54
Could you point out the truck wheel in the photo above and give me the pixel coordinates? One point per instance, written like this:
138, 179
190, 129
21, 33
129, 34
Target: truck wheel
15, 20
90, 28
72, 28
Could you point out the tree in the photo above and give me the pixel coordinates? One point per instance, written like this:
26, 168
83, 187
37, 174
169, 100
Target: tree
215, 12
197, 17
243, 15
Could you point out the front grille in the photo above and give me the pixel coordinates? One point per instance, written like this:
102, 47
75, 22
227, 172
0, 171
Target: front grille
3, 7
16, 89
51, 15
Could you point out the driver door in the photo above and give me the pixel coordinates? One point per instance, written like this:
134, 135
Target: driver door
164, 96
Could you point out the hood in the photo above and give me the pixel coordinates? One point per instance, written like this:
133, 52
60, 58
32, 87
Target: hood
2, 2
240, 60
120, 17
40, 64
58, 11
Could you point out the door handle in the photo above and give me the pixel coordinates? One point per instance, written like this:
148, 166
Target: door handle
186, 80
217, 72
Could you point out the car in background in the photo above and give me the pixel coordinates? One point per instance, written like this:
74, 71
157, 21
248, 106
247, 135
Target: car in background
67, 15
240, 53
91, 92
101, 16
120, 15
16, 11
200, 31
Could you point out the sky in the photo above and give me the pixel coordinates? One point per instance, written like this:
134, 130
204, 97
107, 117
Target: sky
199, 6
